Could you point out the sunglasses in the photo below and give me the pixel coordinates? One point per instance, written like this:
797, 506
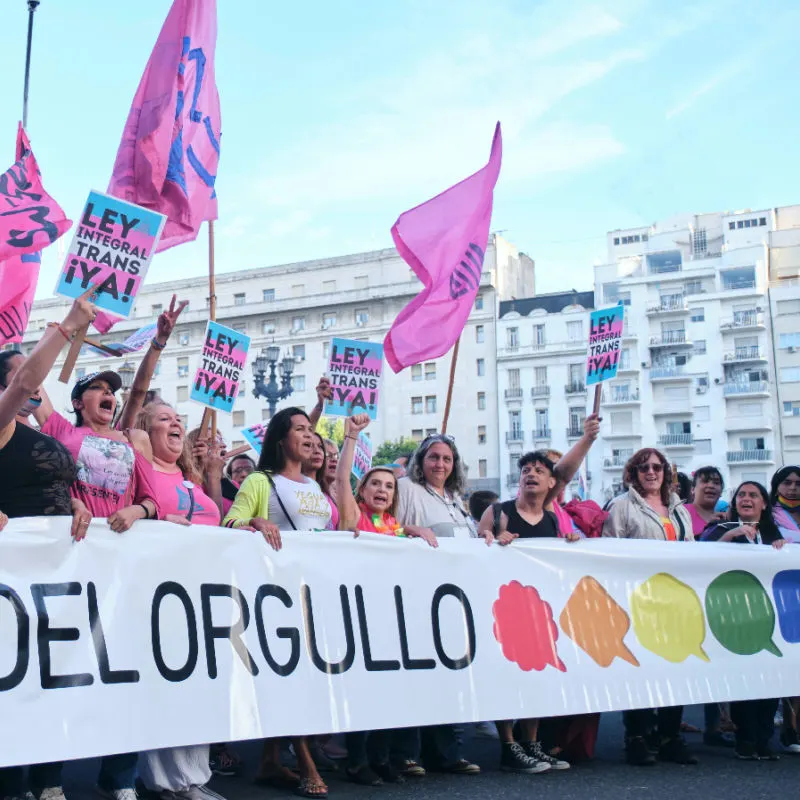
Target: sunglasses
644, 468
439, 437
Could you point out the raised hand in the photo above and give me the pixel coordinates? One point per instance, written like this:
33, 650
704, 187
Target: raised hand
355, 424
324, 390
167, 319
83, 312
591, 426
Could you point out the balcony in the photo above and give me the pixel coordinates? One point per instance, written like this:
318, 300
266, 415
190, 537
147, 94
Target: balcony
744, 321
738, 285
743, 388
574, 432
628, 332
756, 422
621, 398
513, 394
749, 456
666, 372
543, 349
671, 339
742, 355
542, 435
675, 440
579, 387
540, 391
616, 462
678, 305
515, 436
512, 479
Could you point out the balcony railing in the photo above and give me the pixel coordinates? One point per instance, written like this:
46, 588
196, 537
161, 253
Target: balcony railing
621, 397
512, 478
739, 456
578, 387
746, 387
541, 433
728, 286
658, 371
515, 436
514, 394
668, 305
753, 353
744, 319
574, 431
675, 439
540, 391
669, 338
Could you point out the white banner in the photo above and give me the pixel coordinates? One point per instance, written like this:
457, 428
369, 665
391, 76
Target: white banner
170, 636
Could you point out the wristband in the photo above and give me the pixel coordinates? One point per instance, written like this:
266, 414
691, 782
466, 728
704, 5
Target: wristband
155, 343
144, 508
60, 330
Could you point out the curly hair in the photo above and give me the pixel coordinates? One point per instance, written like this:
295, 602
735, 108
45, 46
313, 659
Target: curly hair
186, 464
766, 523
456, 481
630, 474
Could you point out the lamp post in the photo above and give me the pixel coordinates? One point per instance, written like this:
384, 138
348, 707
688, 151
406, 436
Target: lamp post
268, 359
126, 373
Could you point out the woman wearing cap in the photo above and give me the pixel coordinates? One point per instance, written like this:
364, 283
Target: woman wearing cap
37, 473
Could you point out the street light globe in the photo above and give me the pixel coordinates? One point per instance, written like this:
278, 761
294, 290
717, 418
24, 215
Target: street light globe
126, 373
288, 366
272, 352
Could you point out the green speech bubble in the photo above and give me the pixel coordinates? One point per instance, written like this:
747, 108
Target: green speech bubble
740, 614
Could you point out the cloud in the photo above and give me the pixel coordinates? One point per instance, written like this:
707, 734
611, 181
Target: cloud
722, 75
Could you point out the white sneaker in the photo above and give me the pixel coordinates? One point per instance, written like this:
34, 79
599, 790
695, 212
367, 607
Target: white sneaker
117, 794
50, 793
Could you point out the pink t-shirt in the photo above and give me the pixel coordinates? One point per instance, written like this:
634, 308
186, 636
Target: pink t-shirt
111, 474
333, 525
698, 523
174, 498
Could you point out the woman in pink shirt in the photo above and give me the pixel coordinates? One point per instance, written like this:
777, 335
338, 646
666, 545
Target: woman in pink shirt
707, 487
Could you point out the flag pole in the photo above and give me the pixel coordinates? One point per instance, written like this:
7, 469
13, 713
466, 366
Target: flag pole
210, 416
450, 385
32, 6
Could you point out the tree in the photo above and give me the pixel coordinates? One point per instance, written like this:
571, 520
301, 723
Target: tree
388, 452
332, 428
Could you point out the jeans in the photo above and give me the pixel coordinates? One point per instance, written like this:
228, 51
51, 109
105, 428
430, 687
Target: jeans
118, 772
712, 716
40, 776
754, 721
405, 745
368, 747
442, 745
639, 722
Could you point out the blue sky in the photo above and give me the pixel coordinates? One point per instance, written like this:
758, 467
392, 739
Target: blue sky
339, 116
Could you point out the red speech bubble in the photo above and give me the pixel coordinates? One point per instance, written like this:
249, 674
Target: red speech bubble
525, 628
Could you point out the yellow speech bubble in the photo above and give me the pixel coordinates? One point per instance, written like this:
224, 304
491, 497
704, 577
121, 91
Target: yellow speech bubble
668, 618
597, 623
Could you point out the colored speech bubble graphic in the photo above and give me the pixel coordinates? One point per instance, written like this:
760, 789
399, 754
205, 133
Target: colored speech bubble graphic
597, 623
668, 618
740, 613
786, 590
525, 629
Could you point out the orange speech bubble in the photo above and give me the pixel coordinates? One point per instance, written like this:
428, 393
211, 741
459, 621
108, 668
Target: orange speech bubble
597, 623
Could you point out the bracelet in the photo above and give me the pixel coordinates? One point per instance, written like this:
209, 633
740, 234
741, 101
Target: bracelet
155, 343
354, 438
144, 508
60, 330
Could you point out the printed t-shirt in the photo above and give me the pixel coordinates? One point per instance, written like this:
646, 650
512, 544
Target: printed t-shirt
669, 529
37, 472
174, 498
420, 505
304, 502
111, 474
546, 527
378, 523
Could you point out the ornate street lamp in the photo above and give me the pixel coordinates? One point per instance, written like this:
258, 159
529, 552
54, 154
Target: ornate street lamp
126, 373
268, 359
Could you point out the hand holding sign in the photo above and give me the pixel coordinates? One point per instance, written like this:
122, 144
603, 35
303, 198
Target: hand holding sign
83, 311
355, 372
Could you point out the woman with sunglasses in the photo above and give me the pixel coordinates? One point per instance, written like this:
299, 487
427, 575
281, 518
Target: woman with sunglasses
651, 510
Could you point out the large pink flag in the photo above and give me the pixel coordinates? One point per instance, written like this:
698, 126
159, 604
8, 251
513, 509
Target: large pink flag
29, 220
444, 242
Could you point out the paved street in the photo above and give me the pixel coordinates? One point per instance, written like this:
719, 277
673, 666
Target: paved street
718, 775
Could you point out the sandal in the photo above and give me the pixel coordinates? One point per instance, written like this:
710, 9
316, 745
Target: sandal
312, 788
224, 762
279, 778
364, 776
688, 728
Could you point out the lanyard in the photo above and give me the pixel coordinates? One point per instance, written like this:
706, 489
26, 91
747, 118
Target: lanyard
189, 486
452, 507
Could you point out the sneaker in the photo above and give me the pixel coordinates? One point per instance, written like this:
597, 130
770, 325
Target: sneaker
50, 793
745, 751
515, 759
676, 751
536, 751
718, 739
765, 753
462, 767
117, 794
486, 730
790, 741
637, 753
411, 769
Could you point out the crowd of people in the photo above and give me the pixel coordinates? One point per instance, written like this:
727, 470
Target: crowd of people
139, 462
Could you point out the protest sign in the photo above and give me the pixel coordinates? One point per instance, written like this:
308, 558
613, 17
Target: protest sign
185, 624
112, 249
605, 344
354, 369
254, 436
362, 457
135, 342
216, 382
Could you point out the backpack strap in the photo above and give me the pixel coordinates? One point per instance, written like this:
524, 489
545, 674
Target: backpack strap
280, 502
682, 534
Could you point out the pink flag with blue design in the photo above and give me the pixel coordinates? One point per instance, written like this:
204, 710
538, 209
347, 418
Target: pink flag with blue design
444, 242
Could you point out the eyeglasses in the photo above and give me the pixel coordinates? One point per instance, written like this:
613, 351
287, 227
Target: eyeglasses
643, 468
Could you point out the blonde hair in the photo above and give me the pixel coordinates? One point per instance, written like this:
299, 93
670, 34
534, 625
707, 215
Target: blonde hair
186, 464
363, 482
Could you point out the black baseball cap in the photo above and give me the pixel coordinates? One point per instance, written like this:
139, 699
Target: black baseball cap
109, 376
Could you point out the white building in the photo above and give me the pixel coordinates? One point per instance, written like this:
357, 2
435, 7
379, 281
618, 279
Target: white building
541, 364
301, 307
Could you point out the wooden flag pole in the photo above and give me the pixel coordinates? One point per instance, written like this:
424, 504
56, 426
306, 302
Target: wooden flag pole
209, 415
72, 355
597, 398
449, 400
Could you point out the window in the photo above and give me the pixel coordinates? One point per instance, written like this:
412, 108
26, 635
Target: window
298, 290
751, 443
616, 240
678, 428
268, 327
479, 302
416, 372
512, 338
791, 408
430, 404
699, 242
362, 281
621, 421
738, 278
328, 321
481, 365
428, 432
239, 299
183, 339
698, 315
540, 376
264, 414
242, 390
299, 352
328, 287
513, 379
790, 374
515, 423
676, 393
702, 447
575, 331
156, 309
416, 434
699, 346
326, 350
238, 419
702, 413
80, 372
762, 221
789, 340
787, 307
479, 334
299, 383
482, 468
481, 401
693, 287
542, 417
362, 316
625, 360
577, 414
182, 394
430, 371
298, 323
268, 295
183, 367
416, 405
538, 336
576, 374
481, 434
236, 443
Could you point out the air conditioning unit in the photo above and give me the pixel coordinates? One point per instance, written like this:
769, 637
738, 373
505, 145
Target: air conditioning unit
792, 349
360, 323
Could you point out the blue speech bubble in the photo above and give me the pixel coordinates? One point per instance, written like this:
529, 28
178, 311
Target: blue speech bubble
786, 590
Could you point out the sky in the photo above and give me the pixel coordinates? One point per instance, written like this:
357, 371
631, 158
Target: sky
337, 117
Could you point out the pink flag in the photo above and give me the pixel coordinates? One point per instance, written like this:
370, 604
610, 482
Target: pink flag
167, 159
443, 241
29, 220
